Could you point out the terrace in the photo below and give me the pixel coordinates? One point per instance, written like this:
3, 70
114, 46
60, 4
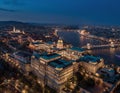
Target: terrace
90, 59
77, 49
37, 43
50, 56
60, 63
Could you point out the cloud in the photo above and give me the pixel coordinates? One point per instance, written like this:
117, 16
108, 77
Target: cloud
7, 10
13, 2
11, 5
10, 2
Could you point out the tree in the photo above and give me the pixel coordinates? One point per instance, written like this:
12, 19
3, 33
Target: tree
91, 82
68, 84
75, 79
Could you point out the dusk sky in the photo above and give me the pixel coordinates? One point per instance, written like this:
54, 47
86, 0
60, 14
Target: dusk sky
61, 11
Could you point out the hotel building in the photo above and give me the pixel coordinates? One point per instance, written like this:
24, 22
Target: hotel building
55, 69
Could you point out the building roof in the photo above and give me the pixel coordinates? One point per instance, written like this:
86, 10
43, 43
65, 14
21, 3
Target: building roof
77, 49
90, 58
37, 56
37, 42
14, 43
23, 54
109, 70
50, 56
60, 63
50, 43
27, 61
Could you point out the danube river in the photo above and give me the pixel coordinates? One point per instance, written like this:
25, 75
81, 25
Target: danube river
109, 54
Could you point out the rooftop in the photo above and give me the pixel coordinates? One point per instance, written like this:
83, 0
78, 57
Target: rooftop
23, 54
50, 56
38, 55
77, 49
90, 58
110, 70
50, 43
60, 63
37, 42
26, 61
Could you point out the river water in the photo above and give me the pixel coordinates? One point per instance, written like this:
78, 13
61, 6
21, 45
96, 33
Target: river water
109, 54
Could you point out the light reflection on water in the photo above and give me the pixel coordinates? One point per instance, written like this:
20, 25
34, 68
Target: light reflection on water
107, 53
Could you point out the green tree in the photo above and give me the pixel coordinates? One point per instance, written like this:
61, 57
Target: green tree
75, 79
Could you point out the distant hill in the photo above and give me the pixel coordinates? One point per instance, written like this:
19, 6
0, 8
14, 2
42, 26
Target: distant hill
32, 27
28, 27
12, 23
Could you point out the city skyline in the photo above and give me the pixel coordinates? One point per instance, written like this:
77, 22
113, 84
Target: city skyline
38, 58
61, 11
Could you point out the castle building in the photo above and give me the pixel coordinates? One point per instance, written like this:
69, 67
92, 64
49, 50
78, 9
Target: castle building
38, 45
91, 63
17, 31
52, 70
73, 53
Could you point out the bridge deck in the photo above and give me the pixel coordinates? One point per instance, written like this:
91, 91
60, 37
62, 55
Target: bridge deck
101, 46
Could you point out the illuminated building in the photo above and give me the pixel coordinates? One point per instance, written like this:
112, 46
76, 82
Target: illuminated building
38, 45
21, 60
118, 69
52, 70
60, 44
91, 63
108, 71
84, 33
73, 53
17, 31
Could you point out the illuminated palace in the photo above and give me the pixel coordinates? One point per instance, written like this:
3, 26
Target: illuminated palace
54, 69
54, 64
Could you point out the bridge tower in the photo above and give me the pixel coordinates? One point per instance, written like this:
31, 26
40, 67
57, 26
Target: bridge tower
56, 32
88, 46
112, 44
118, 70
14, 29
